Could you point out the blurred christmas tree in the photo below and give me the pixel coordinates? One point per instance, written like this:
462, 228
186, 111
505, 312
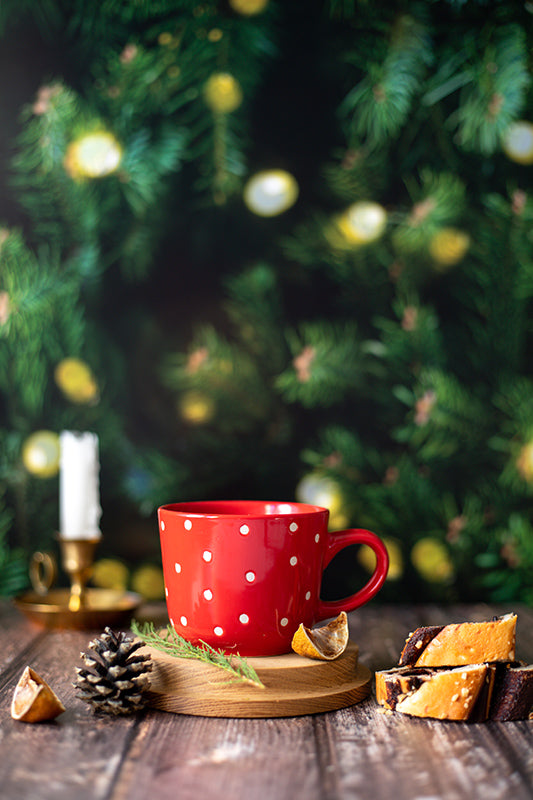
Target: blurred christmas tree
268, 250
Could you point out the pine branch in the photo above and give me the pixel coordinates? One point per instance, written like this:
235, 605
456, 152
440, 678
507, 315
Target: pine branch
13, 565
449, 420
356, 173
255, 307
13, 571
378, 106
146, 162
226, 375
497, 94
327, 364
438, 201
414, 338
175, 645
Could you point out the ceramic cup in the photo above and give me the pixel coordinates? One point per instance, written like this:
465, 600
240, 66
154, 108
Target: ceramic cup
243, 575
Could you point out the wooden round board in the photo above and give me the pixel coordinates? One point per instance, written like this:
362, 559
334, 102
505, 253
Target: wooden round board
293, 685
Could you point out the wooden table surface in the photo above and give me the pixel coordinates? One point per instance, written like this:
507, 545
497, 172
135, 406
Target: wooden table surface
356, 753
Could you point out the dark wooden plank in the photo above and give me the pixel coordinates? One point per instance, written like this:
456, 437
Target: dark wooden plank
194, 757
77, 755
345, 755
405, 757
16, 634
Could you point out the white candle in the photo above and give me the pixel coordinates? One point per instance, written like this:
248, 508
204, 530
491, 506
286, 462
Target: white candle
79, 504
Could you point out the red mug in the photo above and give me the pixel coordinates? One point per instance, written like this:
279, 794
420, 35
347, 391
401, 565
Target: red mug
242, 575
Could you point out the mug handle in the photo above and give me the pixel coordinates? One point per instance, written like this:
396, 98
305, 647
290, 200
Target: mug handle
337, 541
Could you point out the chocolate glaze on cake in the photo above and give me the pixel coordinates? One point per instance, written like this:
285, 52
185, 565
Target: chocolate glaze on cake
416, 643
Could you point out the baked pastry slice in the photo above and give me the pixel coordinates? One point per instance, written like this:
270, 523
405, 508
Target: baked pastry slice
462, 693
461, 643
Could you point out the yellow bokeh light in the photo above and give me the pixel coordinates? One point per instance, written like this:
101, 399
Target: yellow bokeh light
223, 93
248, 8
432, 560
518, 142
449, 246
196, 407
362, 223
40, 454
76, 380
270, 192
93, 155
367, 558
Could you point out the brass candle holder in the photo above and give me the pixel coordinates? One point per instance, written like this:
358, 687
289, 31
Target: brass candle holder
77, 558
80, 607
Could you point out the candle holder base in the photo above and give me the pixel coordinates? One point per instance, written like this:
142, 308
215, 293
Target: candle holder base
79, 607
101, 607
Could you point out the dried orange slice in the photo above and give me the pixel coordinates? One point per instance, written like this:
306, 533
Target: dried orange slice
33, 700
324, 643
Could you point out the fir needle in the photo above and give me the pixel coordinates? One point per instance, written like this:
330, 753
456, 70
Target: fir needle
173, 644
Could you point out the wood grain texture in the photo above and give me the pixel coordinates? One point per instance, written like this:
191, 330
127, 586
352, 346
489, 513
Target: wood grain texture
15, 637
354, 753
293, 686
73, 756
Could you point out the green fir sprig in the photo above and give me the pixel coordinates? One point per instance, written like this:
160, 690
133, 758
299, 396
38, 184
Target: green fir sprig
173, 644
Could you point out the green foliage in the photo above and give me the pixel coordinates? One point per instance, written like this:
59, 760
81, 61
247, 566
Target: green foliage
232, 353
437, 201
326, 365
355, 174
42, 309
409, 339
13, 572
255, 307
226, 375
71, 210
496, 91
444, 410
378, 106
13, 565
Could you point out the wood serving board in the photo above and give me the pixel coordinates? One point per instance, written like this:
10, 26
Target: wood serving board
293, 686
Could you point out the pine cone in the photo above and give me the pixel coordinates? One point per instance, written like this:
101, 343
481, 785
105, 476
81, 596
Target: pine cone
115, 679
